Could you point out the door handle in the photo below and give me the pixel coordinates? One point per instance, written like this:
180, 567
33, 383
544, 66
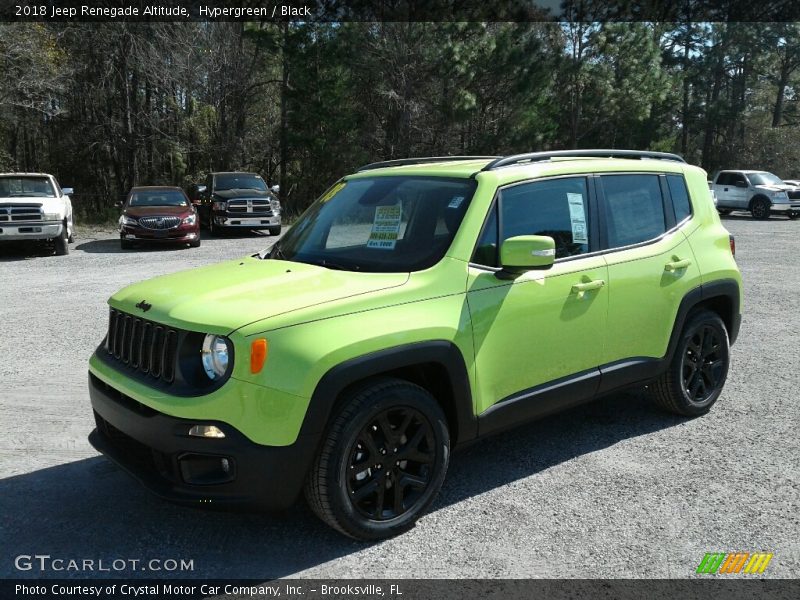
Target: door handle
582, 288
677, 265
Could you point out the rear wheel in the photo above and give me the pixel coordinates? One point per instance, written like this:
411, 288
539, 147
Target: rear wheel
383, 461
760, 208
699, 367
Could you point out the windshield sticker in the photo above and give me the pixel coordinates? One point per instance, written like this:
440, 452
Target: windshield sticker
577, 215
385, 228
333, 191
455, 202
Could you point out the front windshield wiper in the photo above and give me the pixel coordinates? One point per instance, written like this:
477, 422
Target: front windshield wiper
332, 265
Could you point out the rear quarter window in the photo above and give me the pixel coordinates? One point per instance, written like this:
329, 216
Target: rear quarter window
680, 197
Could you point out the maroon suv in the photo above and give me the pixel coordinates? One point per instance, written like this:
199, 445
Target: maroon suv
158, 215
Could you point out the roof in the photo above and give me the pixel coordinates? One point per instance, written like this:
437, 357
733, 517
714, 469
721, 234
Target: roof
139, 188
525, 170
234, 173
25, 175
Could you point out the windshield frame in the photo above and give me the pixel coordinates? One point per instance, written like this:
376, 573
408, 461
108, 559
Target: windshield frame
757, 178
21, 178
332, 258
234, 176
164, 192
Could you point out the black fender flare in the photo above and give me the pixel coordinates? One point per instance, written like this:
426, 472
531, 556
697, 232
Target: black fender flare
439, 352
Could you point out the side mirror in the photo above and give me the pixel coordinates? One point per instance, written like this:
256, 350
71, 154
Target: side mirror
117, 204
741, 184
525, 253
275, 189
67, 191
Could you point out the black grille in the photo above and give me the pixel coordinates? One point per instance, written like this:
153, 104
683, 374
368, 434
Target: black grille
159, 222
794, 194
142, 345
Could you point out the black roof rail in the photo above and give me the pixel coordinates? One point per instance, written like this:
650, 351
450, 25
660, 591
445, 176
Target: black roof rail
507, 161
419, 161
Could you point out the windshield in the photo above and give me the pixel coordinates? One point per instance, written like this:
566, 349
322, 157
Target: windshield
239, 181
379, 224
30, 187
158, 198
764, 179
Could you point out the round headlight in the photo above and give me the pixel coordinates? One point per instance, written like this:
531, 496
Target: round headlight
215, 355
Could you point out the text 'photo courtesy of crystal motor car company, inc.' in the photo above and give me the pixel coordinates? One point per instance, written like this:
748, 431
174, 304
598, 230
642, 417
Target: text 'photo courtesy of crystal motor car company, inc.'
348, 360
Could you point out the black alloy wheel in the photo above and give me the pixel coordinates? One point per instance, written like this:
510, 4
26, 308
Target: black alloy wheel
704, 364
390, 464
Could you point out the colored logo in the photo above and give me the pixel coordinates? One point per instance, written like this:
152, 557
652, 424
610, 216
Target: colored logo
734, 562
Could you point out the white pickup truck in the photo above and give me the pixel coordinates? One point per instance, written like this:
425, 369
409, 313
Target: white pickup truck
759, 192
34, 207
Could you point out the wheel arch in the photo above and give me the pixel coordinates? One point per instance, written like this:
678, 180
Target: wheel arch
721, 296
437, 366
758, 196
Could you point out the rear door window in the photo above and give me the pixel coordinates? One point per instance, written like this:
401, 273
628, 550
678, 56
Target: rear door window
634, 209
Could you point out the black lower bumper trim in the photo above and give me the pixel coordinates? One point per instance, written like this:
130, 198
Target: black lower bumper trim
156, 449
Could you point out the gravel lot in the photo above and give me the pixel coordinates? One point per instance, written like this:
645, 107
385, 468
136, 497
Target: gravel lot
612, 489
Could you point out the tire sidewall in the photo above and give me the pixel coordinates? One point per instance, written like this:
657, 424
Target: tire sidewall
398, 396
760, 202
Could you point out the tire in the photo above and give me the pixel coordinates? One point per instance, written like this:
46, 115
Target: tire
793, 215
760, 208
374, 420
704, 339
724, 211
61, 243
214, 230
125, 244
195, 243
275, 230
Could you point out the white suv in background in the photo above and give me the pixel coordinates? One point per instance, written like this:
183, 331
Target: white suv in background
34, 207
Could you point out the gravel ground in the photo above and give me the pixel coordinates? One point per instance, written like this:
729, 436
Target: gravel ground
611, 489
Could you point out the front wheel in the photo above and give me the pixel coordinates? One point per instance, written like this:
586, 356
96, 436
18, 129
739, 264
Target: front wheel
61, 243
275, 230
383, 461
793, 215
760, 208
698, 370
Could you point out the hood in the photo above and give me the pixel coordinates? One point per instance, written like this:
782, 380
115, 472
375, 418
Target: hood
224, 297
241, 193
776, 188
151, 211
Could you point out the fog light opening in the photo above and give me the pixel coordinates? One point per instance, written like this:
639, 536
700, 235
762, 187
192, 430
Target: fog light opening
206, 431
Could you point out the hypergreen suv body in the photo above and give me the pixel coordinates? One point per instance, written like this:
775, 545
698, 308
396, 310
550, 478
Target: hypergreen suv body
414, 307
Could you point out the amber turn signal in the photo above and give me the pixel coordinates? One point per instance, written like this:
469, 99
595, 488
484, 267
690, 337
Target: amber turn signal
258, 355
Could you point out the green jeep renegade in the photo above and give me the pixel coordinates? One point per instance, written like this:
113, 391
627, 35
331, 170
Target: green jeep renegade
414, 307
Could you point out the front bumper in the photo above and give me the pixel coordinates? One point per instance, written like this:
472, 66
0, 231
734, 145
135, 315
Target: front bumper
786, 207
179, 235
246, 221
155, 448
30, 231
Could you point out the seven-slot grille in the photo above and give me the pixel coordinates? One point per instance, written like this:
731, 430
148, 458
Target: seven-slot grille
794, 194
142, 345
250, 205
21, 212
159, 222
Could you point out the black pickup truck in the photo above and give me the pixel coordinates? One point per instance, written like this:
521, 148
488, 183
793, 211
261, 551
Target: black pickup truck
234, 200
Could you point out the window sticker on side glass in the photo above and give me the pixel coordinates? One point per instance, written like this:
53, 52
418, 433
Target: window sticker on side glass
385, 227
455, 202
577, 216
